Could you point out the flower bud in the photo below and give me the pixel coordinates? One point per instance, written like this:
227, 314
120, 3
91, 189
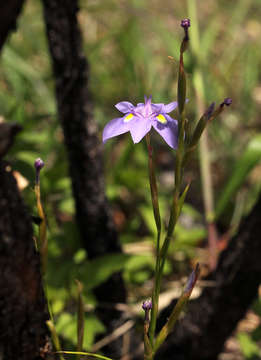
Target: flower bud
185, 23
38, 164
227, 102
192, 281
147, 305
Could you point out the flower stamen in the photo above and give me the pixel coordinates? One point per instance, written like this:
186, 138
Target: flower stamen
161, 118
128, 118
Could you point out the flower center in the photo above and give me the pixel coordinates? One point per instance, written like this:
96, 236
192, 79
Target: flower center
144, 112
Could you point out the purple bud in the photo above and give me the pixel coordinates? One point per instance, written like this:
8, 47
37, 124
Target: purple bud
210, 110
147, 305
185, 23
192, 280
38, 164
227, 102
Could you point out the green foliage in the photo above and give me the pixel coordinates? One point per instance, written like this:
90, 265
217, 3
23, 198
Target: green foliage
185, 239
247, 161
95, 272
127, 44
66, 326
249, 342
249, 348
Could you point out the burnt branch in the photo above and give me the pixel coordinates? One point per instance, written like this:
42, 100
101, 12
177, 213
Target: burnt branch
23, 333
212, 318
9, 11
82, 143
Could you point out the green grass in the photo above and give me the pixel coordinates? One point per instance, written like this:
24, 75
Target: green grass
127, 44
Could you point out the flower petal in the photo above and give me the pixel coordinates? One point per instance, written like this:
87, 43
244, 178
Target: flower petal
124, 106
139, 128
158, 108
170, 107
115, 127
168, 131
162, 108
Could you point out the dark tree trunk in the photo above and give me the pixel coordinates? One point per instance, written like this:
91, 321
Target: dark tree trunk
23, 332
9, 11
83, 145
212, 318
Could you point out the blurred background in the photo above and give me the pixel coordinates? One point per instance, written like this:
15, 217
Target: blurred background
133, 50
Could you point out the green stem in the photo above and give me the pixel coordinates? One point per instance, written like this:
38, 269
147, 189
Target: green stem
55, 338
156, 212
175, 208
168, 327
174, 214
80, 317
170, 323
155, 295
42, 245
43, 242
98, 356
153, 185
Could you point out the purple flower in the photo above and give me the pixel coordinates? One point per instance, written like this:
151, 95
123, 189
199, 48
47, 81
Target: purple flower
139, 119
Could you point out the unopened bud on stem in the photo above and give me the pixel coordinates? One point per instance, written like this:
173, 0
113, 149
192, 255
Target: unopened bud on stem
38, 164
192, 281
227, 102
147, 306
185, 23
